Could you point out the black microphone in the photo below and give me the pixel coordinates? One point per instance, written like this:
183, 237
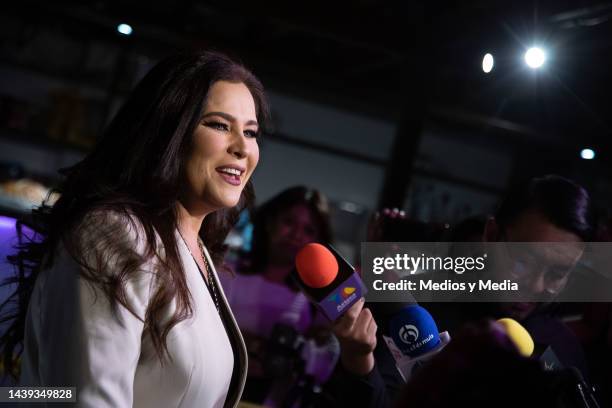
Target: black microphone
585, 392
284, 345
571, 389
282, 351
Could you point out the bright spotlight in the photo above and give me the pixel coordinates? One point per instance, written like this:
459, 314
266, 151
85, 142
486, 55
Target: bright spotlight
124, 29
535, 57
587, 154
487, 63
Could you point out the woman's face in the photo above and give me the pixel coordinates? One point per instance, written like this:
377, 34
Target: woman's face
224, 151
293, 229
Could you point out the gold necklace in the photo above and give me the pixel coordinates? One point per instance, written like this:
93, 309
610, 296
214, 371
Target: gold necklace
210, 282
211, 279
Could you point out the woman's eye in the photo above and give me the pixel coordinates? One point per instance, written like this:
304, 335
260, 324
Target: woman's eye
216, 125
251, 133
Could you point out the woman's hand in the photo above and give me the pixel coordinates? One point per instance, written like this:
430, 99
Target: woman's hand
356, 332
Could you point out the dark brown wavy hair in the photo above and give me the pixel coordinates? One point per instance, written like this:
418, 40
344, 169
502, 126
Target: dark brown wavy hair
136, 170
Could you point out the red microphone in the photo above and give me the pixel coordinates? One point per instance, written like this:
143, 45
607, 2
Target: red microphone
327, 279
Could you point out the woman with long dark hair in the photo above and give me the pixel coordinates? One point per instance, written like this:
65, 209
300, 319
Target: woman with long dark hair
281, 227
124, 299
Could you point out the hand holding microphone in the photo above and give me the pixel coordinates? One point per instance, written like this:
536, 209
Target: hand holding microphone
412, 336
356, 332
332, 284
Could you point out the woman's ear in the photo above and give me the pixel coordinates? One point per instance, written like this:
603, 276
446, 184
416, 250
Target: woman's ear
491, 230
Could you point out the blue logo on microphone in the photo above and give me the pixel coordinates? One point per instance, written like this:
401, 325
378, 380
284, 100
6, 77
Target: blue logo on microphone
414, 331
409, 334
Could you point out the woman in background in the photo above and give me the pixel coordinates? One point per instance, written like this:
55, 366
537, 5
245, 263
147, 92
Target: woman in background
124, 300
281, 227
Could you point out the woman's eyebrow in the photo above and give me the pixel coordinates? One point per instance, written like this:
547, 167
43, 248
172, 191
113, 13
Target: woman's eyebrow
228, 117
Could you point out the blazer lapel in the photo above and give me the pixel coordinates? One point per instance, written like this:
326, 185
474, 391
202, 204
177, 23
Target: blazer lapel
234, 334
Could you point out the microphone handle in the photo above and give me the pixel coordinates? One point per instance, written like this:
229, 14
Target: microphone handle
587, 397
586, 392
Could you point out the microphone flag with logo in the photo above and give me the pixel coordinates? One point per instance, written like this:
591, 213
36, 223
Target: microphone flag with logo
414, 331
528, 348
327, 279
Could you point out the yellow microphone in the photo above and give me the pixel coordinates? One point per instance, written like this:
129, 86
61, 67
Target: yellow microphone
518, 335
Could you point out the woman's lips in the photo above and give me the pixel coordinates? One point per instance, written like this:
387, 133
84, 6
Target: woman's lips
232, 179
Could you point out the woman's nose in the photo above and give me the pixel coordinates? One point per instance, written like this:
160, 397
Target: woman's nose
238, 146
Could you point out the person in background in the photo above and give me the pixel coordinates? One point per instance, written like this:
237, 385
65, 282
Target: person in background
547, 209
281, 227
593, 327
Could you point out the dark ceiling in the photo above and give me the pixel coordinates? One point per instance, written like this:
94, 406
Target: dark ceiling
389, 58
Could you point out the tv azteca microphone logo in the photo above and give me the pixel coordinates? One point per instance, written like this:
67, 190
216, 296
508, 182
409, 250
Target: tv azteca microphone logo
343, 297
409, 333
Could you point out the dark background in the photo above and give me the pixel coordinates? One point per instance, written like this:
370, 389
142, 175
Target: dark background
374, 103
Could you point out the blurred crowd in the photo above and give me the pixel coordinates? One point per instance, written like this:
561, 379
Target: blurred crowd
296, 356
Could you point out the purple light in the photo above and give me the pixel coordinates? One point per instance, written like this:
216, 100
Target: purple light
7, 222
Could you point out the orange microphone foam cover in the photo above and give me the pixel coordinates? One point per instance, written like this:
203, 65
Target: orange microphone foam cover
316, 265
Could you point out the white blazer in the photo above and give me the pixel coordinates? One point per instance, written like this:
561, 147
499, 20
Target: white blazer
73, 337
